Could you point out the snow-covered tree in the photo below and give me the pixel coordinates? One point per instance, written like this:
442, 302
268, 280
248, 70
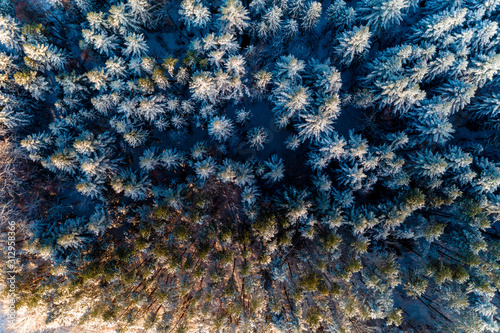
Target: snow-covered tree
351, 176
194, 14
289, 101
234, 16
171, 158
271, 23
105, 44
151, 107
429, 164
97, 21
257, 137
115, 67
136, 137
292, 142
311, 16
289, 67
316, 125
242, 116
133, 186
47, 56
381, 14
435, 129
457, 93
436, 27
276, 169
203, 87
400, 93
262, 79
339, 16
353, 43
136, 46
10, 33
141, 11
120, 20
221, 128
205, 168
149, 160
484, 67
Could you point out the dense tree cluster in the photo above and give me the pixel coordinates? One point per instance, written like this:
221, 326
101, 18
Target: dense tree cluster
253, 165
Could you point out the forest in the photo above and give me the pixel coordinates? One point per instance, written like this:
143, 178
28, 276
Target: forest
274, 166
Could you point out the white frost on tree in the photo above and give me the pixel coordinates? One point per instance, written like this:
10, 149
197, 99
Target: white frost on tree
257, 137
382, 14
205, 168
194, 14
352, 44
276, 169
136, 46
234, 16
220, 128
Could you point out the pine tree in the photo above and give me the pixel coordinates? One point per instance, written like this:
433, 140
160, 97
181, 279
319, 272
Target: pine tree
400, 93
64, 160
333, 147
85, 6
322, 182
242, 116
381, 14
205, 168
194, 14
289, 67
292, 142
435, 129
489, 176
262, 79
96, 21
257, 137
221, 128
136, 137
436, 27
339, 16
276, 169
10, 34
353, 44
428, 164
457, 93
311, 16
234, 17
105, 44
98, 78
289, 102
199, 150
203, 87
141, 10
258, 6
121, 21
483, 37
316, 126
484, 68
351, 176
290, 30
486, 106
171, 158
136, 46
271, 22
92, 188
151, 107
131, 185
149, 161
235, 66
47, 56
115, 67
